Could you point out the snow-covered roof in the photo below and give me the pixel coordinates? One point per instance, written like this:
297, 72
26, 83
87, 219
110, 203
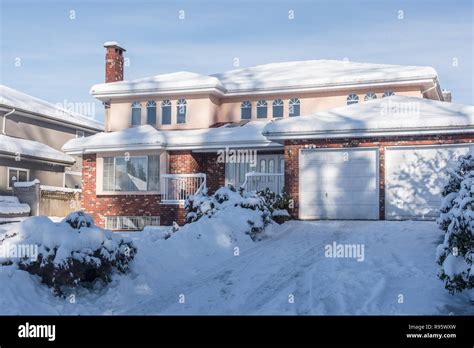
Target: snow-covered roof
14, 146
147, 137
24, 102
178, 81
270, 77
387, 116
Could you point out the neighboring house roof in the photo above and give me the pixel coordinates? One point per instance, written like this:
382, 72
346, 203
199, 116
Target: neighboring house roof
396, 115
15, 146
147, 137
23, 102
297, 75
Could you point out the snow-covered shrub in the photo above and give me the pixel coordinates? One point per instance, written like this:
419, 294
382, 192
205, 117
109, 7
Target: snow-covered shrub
68, 253
204, 205
278, 204
456, 254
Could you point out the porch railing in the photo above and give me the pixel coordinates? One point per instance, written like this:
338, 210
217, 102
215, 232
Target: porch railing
175, 188
259, 181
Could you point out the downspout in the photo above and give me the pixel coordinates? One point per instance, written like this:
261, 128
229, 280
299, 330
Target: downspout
5, 120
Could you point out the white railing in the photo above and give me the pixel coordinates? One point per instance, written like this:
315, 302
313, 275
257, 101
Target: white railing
175, 188
260, 181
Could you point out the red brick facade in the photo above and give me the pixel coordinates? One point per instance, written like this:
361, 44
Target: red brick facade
293, 147
113, 64
180, 162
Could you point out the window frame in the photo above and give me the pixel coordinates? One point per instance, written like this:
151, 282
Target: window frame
291, 106
136, 105
366, 97
78, 131
388, 93
181, 103
17, 175
101, 188
149, 105
278, 103
169, 105
246, 104
262, 105
350, 100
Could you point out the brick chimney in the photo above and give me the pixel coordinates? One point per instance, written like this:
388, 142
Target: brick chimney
113, 62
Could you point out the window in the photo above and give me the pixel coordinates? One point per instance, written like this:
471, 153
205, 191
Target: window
181, 111
246, 110
135, 173
131, 223
388, 94
352, 99
278, 108
17, 175
79, 134
136, 113
165, 112
151, 113
294, 107
261, 109
263, 166
370, 96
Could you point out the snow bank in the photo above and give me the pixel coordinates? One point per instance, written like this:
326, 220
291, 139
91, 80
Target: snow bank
10, 205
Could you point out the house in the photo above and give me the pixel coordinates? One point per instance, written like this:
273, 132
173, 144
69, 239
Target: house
284, 126
32, 134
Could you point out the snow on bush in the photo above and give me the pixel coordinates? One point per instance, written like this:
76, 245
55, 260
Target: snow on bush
456, 254
10, 205
264, 203
68, 253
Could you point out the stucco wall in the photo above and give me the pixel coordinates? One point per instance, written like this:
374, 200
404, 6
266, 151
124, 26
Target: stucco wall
205, 110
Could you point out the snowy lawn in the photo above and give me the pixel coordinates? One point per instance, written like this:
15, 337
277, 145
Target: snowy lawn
399, 259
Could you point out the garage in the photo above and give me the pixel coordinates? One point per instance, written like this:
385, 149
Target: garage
415, 177
339, 184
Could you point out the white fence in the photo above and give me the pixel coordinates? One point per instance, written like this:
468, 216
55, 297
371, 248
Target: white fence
260, 181
175, 188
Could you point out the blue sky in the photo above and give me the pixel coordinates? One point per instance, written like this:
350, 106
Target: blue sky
60, 57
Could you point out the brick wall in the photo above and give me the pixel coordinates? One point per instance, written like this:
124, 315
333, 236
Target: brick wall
215, 172
292, 148
100, 206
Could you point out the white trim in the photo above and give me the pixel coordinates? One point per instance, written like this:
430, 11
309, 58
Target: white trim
17, 169
70, 172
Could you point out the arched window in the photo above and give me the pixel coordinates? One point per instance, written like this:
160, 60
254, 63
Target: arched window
388, 94
181, 111
263, 166
277, 108
136, 118
246, 110
352, 99
294, 106
166, 112
261, 109
151, 113
370, 96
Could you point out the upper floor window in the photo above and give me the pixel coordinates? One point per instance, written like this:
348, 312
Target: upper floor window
80, 134
136, 113
166, 112
352, 99
294, 107
246, 110
261, 109
278, 108
388, 94
151, 113
181, 111
370, 96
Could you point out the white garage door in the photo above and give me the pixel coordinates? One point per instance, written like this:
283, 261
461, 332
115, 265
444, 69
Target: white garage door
415, 177
338, 184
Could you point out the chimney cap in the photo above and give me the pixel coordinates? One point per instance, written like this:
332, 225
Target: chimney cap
114, 44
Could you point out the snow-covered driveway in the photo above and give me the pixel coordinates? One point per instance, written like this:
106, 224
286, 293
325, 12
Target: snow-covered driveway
288, 273
397, 275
